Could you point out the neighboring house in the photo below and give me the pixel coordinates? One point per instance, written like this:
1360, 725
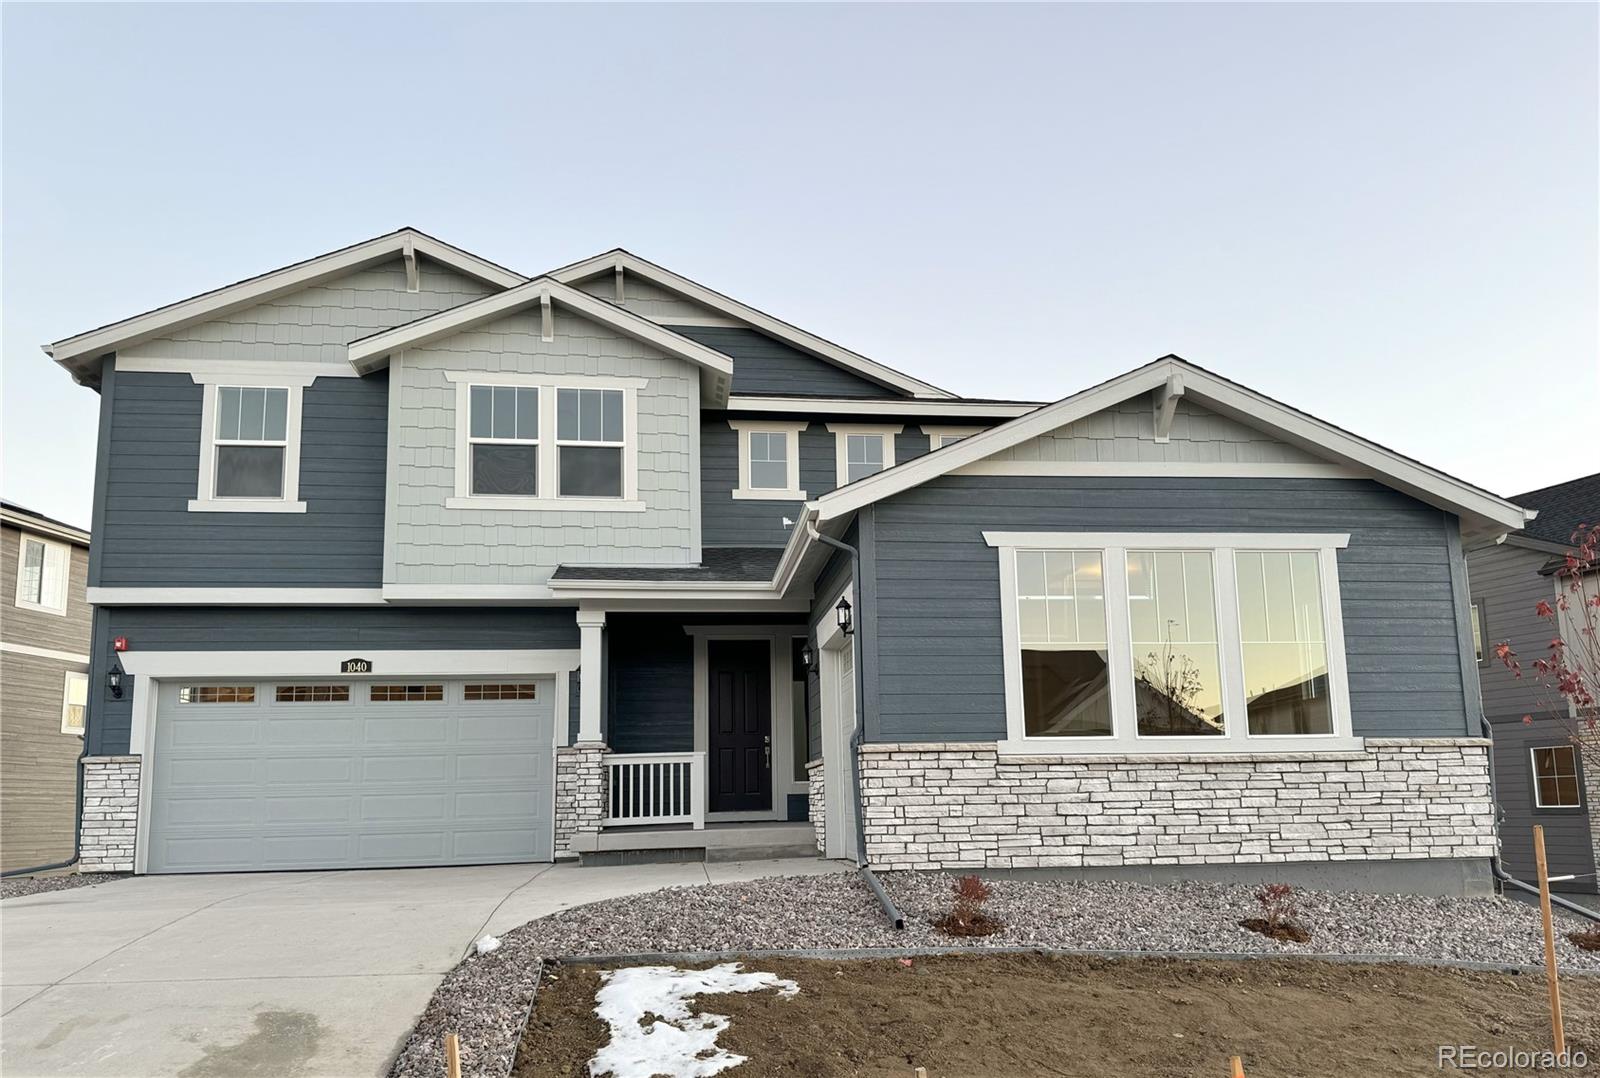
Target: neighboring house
418, 561
1539, 773
44, 684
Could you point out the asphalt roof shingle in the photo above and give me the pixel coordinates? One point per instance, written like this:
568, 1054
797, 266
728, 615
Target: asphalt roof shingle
754, 564
1561, 509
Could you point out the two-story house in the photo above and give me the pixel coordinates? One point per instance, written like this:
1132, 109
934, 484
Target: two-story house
44, 684
1540, 776
404, 558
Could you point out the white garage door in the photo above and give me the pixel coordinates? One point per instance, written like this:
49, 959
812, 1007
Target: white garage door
343, 774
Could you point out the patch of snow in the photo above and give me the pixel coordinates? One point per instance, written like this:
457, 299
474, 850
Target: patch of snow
677, 1043
487, 944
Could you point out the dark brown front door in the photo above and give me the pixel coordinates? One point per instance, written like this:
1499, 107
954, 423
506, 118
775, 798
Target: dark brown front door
740, 717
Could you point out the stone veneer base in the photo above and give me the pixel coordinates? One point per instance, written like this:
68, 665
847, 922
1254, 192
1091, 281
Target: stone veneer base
934, 806
580, 791
817, 802
110, 813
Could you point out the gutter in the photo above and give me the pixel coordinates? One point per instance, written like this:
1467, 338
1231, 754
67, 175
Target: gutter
896, 918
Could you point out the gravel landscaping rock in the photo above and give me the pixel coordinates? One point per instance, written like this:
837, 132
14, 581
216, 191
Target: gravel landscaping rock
486, 999
19, 886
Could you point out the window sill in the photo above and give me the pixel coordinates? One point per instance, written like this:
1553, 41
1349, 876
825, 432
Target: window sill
244, 505
1105, 750
546, 505
24, 604
769, 495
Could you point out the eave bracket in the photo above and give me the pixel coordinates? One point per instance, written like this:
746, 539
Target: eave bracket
1166, 406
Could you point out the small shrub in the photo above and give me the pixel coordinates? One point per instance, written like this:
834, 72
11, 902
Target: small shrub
1279, 914
1588, 939
966, 916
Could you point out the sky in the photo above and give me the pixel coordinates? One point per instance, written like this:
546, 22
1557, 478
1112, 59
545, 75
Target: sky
1386, 215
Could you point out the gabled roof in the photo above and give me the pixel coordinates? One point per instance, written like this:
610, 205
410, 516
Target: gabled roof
25, 519
793, 336
370, 353
1481, 511
1562, 508
79, 354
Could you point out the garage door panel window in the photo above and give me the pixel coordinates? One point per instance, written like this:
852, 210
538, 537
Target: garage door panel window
1169, 641
217, 694
476, 692
391, 694
312, 694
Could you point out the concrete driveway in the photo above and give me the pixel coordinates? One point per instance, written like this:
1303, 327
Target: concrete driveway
282, 974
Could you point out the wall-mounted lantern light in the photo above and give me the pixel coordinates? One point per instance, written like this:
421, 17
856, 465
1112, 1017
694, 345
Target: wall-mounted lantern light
843, 613
114, 682
806, 658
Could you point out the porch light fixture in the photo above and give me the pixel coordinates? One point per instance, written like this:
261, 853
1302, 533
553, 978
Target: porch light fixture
805, 655
843, 613
114, 682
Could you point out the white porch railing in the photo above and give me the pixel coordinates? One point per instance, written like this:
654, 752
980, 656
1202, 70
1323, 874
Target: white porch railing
656, 787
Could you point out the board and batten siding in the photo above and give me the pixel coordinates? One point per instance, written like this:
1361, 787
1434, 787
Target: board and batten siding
343, 632
934, 590
763, 366
428, 543
314, 325
150, 456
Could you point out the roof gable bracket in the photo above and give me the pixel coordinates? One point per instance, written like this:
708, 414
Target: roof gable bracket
547, 318
1166, 406
408, 251
621, 294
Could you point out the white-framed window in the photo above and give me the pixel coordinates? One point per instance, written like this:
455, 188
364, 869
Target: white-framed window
939, 437
1172, 642
769, 460
249, 445
546, 442
74, 701
44, 568
862, 449
1555, 777
1479, 633
503, 432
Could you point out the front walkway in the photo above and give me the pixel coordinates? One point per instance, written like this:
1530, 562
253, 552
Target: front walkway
302, 973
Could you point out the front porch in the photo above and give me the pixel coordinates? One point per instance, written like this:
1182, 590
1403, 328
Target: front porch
696, 745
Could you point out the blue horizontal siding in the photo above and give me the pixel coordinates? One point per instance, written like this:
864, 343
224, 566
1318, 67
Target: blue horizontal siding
763, 366
935, 589
151, 462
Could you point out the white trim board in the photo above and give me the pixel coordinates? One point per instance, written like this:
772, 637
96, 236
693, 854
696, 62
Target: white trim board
1486, 511
611, 261
1175, 469
44, 653
920, 406
371, 353
80, 354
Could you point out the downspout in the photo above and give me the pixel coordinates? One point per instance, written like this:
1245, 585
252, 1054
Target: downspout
857, 737
1495, 867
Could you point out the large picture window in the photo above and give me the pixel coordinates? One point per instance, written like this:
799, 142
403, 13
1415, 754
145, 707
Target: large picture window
1170, 642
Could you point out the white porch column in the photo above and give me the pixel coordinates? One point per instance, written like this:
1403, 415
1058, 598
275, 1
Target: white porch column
591, 638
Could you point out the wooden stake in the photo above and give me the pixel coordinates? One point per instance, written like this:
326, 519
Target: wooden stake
1557, 1033
1236, 1067
452, 1055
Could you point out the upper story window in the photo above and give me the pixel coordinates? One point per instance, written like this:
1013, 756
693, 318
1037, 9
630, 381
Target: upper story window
769, 460
589, 439
1169, 642
43, 569
249, 448
504, 436
862, 449
545, 442
939, 437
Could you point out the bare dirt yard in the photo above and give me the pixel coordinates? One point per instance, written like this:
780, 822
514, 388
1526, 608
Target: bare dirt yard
1025, 1015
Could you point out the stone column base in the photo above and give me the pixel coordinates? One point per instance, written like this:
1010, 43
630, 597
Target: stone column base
816, 800
110, 813
580, 791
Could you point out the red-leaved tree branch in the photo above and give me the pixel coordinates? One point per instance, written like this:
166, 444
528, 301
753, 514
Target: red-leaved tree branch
1569, 673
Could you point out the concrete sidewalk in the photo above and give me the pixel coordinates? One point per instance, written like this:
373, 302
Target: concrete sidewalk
303, 973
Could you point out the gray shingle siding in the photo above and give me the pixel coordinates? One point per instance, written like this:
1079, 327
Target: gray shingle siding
341, 631
935, 590
148, 538
763, 366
